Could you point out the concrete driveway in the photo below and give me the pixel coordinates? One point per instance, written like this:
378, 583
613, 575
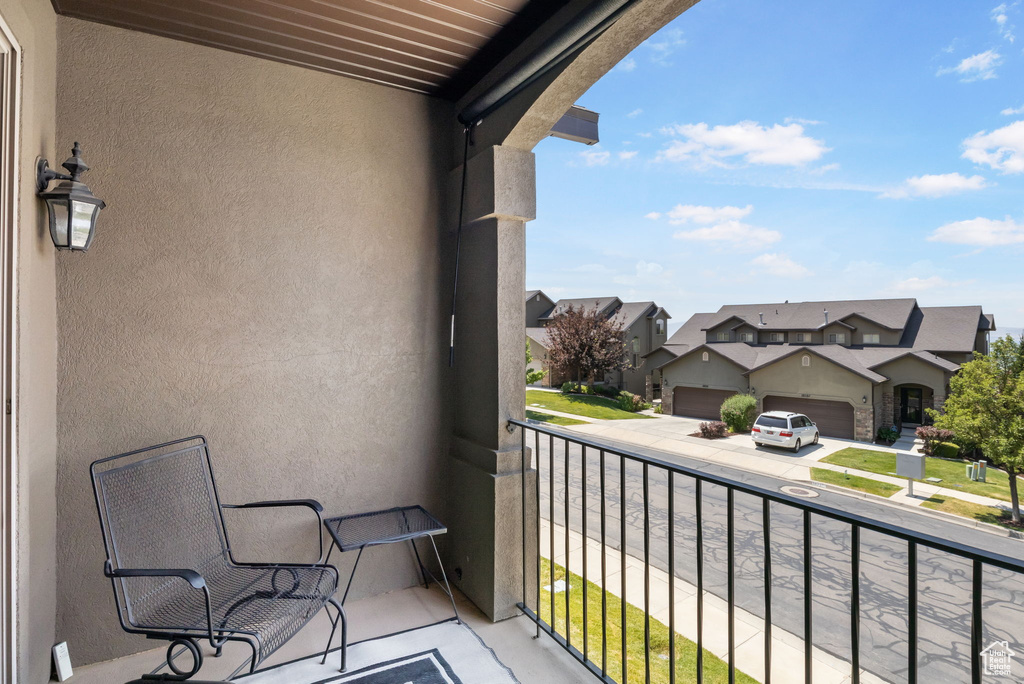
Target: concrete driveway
672, 434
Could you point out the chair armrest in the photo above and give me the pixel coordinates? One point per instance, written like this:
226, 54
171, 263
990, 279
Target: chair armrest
190, 576
308, 503
311, 504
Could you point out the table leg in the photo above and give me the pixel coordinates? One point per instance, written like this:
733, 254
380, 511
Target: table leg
423, 571
444, 576
354, 566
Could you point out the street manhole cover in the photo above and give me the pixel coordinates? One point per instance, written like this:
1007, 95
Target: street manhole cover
799, 491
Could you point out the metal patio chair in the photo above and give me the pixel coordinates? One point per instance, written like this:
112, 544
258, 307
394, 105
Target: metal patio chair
171, 567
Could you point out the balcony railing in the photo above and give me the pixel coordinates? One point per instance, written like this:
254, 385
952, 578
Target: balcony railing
790, 577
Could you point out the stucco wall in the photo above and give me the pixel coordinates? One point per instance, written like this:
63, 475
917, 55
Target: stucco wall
911, 370
33, 24
536, 307
269, 273
715, 373
866, 327
821, 380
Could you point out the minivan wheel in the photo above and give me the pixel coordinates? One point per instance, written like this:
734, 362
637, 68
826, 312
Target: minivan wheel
815, 437
796, 447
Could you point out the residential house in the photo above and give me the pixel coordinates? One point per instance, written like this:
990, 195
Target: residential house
852, 366
645, 323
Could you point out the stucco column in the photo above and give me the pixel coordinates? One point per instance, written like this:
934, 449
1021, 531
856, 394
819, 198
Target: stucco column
485, 489
648, 389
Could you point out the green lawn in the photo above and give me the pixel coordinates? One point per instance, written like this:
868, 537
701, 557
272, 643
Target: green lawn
554, 420
965, 509
861, 484
950, 471
585, 405
715, 670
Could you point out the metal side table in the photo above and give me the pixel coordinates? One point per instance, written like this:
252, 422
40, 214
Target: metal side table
406, 523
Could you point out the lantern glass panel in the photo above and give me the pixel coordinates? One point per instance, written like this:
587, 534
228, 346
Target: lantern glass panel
81, 223
59, 221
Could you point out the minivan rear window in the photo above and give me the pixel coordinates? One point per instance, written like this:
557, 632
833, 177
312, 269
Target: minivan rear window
771, 421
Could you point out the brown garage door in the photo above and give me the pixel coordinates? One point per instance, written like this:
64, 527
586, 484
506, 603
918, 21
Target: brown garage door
699, 403
833, 418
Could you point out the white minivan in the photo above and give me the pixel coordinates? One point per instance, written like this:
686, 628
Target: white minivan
780, 428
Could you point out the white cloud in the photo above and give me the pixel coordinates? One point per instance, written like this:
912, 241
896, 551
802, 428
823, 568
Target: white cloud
654, 215
735, 233
779, 265
1010, 111
920, 284
685, 213
648, 268
1002, 149
596, 157
802, 122
756, 144
979, 67
823, 169
663, 44
625, 66
932, 185
645, 135
1002, 22
981, 232
635, 113
629, 154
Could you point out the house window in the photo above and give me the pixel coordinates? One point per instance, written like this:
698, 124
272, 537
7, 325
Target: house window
837, 338
746, 337
705, 357
801, 337
776, 337
723, 337
871, 339
636, 345
660, 326
806, 361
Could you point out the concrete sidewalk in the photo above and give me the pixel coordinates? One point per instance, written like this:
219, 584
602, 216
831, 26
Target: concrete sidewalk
787, 649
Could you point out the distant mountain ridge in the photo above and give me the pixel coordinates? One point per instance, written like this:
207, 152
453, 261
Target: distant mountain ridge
1013, 332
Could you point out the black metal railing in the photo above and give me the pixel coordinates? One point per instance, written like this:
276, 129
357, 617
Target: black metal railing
882, 599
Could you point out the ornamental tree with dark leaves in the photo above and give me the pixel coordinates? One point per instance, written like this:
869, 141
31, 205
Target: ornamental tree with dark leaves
585, 344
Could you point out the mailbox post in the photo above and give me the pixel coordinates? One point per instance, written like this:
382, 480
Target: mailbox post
910, 466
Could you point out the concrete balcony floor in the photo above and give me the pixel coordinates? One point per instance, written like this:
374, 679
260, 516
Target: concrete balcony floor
534, 661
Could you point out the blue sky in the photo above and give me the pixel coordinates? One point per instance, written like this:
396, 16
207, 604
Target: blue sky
757, 152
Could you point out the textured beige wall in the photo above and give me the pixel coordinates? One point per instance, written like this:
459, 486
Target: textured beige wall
34, 26
821, 380
914, 371
271, 272
715, 373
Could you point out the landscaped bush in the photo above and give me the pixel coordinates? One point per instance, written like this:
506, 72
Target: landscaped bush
607, 391
887, 434
631, 402
569, 387
659, 409
932, 437
714, 430
738, 412
946, 450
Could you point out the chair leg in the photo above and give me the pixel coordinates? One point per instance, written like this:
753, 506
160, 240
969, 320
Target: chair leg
423, 571
444, 576
344, 632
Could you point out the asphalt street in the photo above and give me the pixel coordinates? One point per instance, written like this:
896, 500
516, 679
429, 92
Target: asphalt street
944, 581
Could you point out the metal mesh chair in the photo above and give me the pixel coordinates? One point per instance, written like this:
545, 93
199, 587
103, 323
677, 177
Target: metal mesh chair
171, 567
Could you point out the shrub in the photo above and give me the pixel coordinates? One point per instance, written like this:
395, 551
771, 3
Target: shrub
714, 430
631, 402
932, 437
568, 387
888, 434
607, 391
659, 409
947, 450
738, 412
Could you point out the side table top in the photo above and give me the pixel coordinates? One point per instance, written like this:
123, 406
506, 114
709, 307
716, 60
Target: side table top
382, 527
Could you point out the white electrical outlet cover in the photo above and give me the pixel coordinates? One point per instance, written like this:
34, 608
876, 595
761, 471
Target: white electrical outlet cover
62, 661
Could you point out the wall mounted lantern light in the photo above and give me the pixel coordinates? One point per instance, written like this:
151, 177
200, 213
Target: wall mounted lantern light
71, 205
